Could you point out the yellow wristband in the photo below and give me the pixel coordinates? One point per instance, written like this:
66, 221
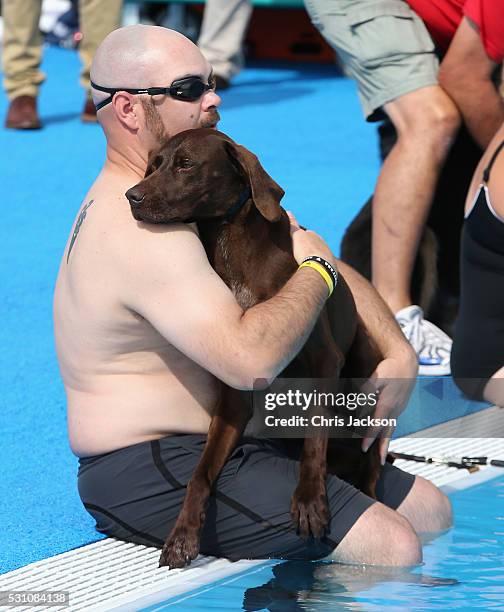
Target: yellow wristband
322, 271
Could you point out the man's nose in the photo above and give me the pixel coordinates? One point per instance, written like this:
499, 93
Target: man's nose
211, 98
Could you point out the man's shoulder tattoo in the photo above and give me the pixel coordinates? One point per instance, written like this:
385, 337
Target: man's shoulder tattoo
80, 220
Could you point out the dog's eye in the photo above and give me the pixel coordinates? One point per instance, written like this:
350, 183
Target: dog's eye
184, 163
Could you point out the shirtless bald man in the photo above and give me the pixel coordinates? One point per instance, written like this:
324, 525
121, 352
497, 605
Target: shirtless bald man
144, 326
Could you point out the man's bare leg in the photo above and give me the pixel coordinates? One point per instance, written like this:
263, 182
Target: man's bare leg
382, 536
426, 121
426, 508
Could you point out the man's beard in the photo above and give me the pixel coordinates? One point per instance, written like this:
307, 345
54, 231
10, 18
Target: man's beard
153, 121
211, 119
155, 125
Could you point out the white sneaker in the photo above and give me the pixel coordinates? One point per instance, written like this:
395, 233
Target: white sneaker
432, 345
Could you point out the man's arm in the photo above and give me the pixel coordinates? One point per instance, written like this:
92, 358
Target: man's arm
173, 286
395, 374
378, 319
466, 75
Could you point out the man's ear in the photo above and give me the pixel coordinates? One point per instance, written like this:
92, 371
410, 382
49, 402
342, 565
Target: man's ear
124, 108
266, 194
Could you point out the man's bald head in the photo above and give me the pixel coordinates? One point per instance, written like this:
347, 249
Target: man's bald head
141, 56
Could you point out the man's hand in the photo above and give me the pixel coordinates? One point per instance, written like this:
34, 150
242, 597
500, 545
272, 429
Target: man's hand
306, 243
399, 359
394, 379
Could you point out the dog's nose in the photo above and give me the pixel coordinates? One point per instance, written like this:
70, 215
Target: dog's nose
135, 196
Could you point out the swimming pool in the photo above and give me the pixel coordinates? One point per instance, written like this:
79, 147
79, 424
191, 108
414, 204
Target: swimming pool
463, 570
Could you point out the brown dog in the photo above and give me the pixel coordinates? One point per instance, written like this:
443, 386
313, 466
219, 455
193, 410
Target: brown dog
201, 175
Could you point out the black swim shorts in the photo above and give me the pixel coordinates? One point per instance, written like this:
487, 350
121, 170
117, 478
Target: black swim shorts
135, 494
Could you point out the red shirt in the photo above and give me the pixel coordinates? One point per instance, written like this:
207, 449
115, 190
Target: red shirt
442, 18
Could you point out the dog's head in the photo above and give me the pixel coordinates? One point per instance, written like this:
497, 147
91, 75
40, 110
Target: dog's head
202, 174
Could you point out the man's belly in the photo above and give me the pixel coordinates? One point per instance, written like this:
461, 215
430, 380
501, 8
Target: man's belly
128, 410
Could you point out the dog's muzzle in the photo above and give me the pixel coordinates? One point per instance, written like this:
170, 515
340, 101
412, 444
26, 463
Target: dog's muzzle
135, 197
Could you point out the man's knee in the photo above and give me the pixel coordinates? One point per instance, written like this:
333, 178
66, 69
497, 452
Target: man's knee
441, 508
442, 514
380, 537
426, 507
428, 114
405, 548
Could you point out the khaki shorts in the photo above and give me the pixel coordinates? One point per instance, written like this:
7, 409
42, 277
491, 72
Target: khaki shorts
383, 45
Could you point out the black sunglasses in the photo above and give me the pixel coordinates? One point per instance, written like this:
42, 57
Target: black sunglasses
189, 89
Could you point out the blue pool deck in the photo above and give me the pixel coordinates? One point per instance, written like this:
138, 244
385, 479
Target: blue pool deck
305, 124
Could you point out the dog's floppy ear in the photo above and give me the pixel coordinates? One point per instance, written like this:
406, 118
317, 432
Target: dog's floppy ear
265, 192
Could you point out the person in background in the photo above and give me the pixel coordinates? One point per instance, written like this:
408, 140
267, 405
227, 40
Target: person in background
223, 29
390, 47
22, 54
478, 347
471, 38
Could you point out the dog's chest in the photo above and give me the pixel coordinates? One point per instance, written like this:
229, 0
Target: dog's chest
243, 295
230, 267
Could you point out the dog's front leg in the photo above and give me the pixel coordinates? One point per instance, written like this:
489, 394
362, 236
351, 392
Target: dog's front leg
309, 507
226, 427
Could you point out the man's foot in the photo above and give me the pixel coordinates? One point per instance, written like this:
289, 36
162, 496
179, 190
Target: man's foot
89, 112
22, 114
432, 345
221, 82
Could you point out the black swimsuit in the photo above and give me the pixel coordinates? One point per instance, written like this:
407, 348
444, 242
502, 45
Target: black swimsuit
478, 347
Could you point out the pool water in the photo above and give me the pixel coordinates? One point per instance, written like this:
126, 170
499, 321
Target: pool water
463, 570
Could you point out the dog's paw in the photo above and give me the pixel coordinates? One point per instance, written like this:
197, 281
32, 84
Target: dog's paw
310, 510
180, 548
